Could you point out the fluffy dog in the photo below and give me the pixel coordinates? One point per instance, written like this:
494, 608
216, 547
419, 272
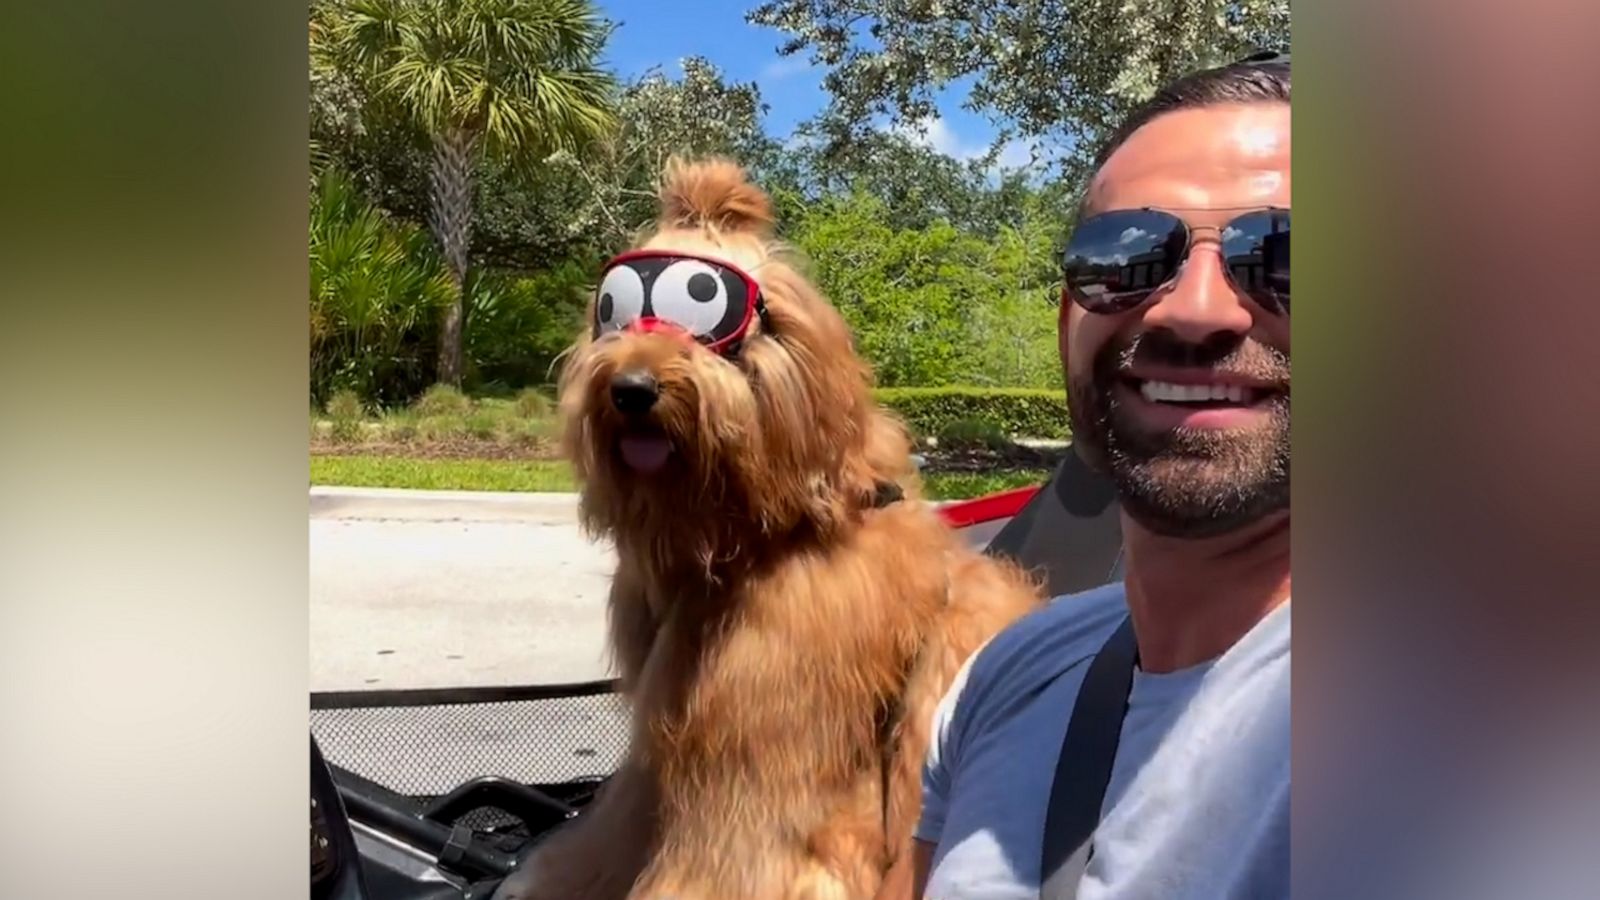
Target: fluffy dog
786, 611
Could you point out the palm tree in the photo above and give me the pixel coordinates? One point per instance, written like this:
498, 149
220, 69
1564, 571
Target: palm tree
519, 79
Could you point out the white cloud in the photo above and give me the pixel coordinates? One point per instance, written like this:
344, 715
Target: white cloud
1015, 154
785, 67
1132, 234
936, 133
1230, 233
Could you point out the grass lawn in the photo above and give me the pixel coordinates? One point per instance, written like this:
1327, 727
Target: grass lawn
449, 442
535, 475
965, 485
554, 475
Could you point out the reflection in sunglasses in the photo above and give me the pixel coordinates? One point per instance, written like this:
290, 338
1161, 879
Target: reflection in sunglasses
1117, 259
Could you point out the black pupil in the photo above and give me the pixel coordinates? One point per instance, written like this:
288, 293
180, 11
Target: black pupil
702, 287
605, 307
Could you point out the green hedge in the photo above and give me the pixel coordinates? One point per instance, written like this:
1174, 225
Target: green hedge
1020, 412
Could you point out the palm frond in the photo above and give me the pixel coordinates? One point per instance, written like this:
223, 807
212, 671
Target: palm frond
523, 73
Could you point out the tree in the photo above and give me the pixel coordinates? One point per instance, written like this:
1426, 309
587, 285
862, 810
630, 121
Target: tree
909, 295
917, 184
698, 114
1062, 69
515, 79
335, 98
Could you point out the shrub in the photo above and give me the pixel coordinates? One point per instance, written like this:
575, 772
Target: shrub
398, 424
377, 286
533, 432
434, 428
533, 403
519, 324
973, 433
483, 424
1019, 412
442, 400
344, 408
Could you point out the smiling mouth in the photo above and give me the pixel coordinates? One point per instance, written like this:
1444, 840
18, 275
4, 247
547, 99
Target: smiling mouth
1198, 396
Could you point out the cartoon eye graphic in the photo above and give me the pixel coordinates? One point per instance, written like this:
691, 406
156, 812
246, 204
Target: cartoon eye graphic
691, 294
621, 299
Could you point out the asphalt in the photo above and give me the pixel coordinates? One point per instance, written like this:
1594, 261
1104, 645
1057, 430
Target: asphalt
433, 589
415, 589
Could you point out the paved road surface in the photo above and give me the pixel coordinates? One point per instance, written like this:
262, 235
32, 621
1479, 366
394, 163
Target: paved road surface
413, 589
431, 589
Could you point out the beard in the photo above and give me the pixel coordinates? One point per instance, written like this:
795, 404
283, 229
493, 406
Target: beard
1186, 482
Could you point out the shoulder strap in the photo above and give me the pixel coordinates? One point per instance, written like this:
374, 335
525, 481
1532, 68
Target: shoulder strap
1084, 768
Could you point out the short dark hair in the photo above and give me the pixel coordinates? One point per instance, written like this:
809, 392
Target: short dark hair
1261, 77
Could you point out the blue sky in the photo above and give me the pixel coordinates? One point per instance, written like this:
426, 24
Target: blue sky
658, 33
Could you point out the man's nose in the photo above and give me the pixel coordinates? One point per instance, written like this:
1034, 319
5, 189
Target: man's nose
1201, 301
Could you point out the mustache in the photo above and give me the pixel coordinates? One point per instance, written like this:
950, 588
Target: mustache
1223, 353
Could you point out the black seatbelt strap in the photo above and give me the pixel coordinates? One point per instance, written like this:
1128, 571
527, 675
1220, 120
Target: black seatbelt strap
1084, 768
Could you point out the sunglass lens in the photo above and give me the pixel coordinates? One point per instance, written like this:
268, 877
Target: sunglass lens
1256, 248
1115, 260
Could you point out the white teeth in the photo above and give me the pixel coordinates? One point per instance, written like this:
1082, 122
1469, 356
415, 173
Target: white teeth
1167, 392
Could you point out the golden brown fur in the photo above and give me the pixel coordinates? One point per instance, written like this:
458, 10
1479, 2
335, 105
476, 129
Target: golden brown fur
782, 642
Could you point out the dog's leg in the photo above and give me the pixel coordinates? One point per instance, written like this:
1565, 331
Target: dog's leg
846, 856
632, 624
983, 599
598, 855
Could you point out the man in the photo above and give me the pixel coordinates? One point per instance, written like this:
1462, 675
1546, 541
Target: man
1175, 341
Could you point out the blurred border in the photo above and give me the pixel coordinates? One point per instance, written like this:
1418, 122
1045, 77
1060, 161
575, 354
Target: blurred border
153, 661
153, 624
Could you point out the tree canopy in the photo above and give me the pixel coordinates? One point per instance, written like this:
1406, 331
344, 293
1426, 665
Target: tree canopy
430, 117
1062, 70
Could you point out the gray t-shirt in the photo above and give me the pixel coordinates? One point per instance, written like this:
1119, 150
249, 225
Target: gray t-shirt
1198, 803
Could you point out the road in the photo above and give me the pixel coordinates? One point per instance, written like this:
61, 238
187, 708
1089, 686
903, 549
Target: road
415, 589
419, 589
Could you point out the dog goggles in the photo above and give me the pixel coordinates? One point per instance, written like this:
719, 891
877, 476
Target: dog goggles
1116, 260
707, 299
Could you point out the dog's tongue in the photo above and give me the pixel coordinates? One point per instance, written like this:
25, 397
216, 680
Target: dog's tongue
645, 452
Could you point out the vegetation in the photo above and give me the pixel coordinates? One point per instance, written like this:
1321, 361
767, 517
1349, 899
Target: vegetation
962, 415
474, 162
1019, 412
442, 474
546, 475
1065, 71
517, 79
376, 290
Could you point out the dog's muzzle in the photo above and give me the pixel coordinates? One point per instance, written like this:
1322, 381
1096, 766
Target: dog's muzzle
634, 393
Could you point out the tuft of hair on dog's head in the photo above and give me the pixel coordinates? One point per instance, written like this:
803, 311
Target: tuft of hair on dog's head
780, 440
712, 194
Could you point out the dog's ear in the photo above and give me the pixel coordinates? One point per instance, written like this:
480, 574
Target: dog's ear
712, 192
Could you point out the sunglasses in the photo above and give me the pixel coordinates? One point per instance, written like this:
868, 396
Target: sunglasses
1116, 260
665, 291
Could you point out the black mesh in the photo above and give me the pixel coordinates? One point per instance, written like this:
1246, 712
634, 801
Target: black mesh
422, 746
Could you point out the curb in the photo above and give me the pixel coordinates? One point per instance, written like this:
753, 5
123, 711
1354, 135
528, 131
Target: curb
408, 505
329, 502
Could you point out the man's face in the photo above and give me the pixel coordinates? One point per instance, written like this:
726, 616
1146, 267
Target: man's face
1189, 469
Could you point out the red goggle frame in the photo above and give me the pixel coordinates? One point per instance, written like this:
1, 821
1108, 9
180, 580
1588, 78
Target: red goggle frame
706, 299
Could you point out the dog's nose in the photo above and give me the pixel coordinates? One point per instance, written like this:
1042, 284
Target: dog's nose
634, 392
